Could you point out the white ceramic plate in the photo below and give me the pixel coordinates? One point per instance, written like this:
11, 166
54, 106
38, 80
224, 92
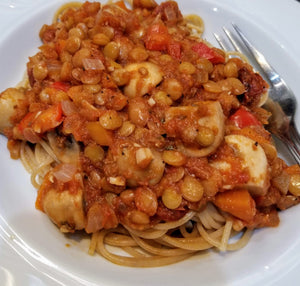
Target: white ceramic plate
33, 252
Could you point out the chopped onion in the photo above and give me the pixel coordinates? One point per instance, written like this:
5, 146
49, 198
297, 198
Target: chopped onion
68, 107
98, 17
93, 64
31, 136
54, 66
64, 172
282, 182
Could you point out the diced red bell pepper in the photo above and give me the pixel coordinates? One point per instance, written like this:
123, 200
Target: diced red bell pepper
158, 39
204, 51
59, 85
244, 118
48, 119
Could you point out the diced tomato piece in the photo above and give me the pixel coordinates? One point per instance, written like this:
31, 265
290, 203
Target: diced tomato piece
157, 37
239, 203
244, 118
48, 119
204, 51
59, 85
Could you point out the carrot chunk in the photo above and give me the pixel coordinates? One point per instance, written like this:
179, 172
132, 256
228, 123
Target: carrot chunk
239, 203
99, 134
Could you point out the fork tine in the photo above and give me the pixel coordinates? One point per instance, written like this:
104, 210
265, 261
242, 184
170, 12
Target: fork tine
294, 134
232, 40
293, 150
270, 73
221, 42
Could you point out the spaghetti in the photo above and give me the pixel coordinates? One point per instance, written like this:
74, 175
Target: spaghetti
139, 132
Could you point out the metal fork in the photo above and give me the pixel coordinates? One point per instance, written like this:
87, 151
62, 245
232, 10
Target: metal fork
281, 102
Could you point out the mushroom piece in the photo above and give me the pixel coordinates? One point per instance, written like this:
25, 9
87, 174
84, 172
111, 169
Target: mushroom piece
214, 120
143, 78
135, 174
61, 197
253, 159
68, 152
65, 209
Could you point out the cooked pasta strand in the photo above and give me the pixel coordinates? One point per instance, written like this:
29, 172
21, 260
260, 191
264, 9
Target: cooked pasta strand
39, 171
134, 252
121, 240
241, 242
135, 261
159, 250
27, 157
170, 225
226, 235
48, 149
93, 243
